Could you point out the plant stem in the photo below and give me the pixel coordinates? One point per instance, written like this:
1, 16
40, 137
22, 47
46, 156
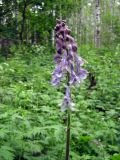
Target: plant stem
68, 136
68, 122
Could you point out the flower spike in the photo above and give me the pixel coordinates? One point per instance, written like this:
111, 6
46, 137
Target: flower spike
67, 62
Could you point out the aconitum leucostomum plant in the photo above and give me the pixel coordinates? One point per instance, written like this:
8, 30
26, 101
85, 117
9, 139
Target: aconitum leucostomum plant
69, 66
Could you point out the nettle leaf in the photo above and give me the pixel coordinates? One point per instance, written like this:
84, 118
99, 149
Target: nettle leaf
3, 132
74, 156
6, 153
33, 146
4, 115
36, 131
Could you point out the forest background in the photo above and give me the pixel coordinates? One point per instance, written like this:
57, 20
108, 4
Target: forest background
32, 127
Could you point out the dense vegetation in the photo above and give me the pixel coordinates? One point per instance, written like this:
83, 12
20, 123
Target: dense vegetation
32, 127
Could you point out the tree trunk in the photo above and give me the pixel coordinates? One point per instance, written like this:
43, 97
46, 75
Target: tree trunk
16, 18
53, 17
97, 23
79, 26
111, 16
60, 12
23, 20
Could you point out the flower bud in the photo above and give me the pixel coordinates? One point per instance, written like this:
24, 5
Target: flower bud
57, 58
58, 21
74, 48
69, 39
63, 24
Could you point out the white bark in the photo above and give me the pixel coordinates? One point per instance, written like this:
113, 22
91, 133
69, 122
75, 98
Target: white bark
97, 23
16, 18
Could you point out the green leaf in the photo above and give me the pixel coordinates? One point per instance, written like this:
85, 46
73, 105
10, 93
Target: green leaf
6, 153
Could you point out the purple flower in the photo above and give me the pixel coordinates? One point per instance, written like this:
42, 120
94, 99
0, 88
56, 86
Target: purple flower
59, 51
58, 43
70, 55
70, 39
74, 48
74, 79
67, 61
82, 74
79, 61
57, 72
56, 76
57, 58
67, 103
55, 81
64, 64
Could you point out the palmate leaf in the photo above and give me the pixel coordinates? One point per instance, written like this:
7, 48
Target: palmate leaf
6, 153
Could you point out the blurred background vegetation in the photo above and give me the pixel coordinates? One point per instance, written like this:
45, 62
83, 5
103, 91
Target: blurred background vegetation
31, 124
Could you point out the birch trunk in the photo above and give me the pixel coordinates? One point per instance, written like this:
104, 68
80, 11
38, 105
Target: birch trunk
97, 23
111, 13
53, 33
23, 20
16, 18
79, 25
60, 14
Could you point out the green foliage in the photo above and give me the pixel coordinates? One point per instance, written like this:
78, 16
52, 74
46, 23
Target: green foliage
32, 126
115, 157
6, 153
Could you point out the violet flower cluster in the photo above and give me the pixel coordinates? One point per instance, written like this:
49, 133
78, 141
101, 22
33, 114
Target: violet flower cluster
68, 63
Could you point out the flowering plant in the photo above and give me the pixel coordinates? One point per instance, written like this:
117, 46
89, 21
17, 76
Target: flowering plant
67, 62
69, 65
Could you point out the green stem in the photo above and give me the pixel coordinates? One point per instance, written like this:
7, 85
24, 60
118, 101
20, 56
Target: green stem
68, 136
68, 124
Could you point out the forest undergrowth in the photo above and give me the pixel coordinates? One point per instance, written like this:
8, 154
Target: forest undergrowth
32, 127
